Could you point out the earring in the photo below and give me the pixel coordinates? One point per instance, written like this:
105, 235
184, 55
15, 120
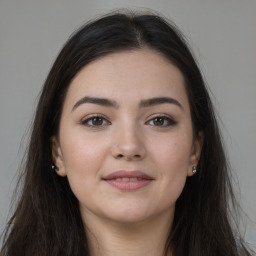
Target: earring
54, 168
194, 169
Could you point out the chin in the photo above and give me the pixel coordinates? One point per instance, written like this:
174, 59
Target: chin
132, 214
125, 213
130, 218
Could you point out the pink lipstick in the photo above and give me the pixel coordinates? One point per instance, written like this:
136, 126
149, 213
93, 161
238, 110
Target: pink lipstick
128, 180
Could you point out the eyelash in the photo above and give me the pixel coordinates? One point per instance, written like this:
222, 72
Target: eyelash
166, 120
86, 121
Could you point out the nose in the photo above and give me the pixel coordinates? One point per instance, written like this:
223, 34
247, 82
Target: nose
128, 144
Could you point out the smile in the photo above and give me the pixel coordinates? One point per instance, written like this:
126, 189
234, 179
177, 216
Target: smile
128, 180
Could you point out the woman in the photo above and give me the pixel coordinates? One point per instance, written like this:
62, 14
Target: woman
125, 156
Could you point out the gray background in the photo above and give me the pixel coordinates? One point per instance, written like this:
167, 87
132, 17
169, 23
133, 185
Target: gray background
222, 34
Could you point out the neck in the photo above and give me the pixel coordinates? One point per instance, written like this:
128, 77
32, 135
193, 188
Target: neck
111, 239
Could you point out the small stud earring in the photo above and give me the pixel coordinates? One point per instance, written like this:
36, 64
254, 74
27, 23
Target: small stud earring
194, 170
54, 168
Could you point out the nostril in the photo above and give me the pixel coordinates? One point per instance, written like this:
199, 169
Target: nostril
128, 156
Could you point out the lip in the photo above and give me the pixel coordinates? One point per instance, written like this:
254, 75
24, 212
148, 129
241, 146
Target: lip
128, 180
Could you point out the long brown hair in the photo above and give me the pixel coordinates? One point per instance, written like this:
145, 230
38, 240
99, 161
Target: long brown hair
47, 220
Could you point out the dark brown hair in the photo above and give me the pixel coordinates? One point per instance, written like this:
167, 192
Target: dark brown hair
47, 219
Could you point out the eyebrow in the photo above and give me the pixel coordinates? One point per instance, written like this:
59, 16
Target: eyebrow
111, 103
98, 101
159, 100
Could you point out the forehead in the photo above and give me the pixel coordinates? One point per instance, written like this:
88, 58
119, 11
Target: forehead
130, 75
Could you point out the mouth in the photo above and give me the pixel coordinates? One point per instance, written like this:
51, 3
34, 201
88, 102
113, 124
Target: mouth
128, 180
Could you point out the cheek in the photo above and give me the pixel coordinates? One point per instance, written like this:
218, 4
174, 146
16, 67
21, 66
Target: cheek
172, 152
83, 157
81, 150
171, 158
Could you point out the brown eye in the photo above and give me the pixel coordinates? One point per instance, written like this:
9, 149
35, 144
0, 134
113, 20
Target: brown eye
161, 121
95, 121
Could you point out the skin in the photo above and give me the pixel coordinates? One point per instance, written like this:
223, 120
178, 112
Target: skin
128, 137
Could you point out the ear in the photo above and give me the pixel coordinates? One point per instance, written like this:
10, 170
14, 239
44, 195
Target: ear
57, 157
196, 152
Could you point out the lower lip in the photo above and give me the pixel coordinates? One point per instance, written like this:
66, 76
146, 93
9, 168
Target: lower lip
128, 185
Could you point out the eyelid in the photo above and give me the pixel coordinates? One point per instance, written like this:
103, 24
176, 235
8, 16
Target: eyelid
165, 116
90, 117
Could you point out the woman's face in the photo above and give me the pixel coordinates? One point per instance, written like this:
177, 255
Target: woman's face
125, 141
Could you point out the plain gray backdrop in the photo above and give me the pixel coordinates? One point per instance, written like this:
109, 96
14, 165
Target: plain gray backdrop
222, 34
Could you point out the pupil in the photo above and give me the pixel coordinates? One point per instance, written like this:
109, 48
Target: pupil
97, 121
159, 121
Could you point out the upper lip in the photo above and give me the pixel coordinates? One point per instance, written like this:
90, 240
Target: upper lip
127, 174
